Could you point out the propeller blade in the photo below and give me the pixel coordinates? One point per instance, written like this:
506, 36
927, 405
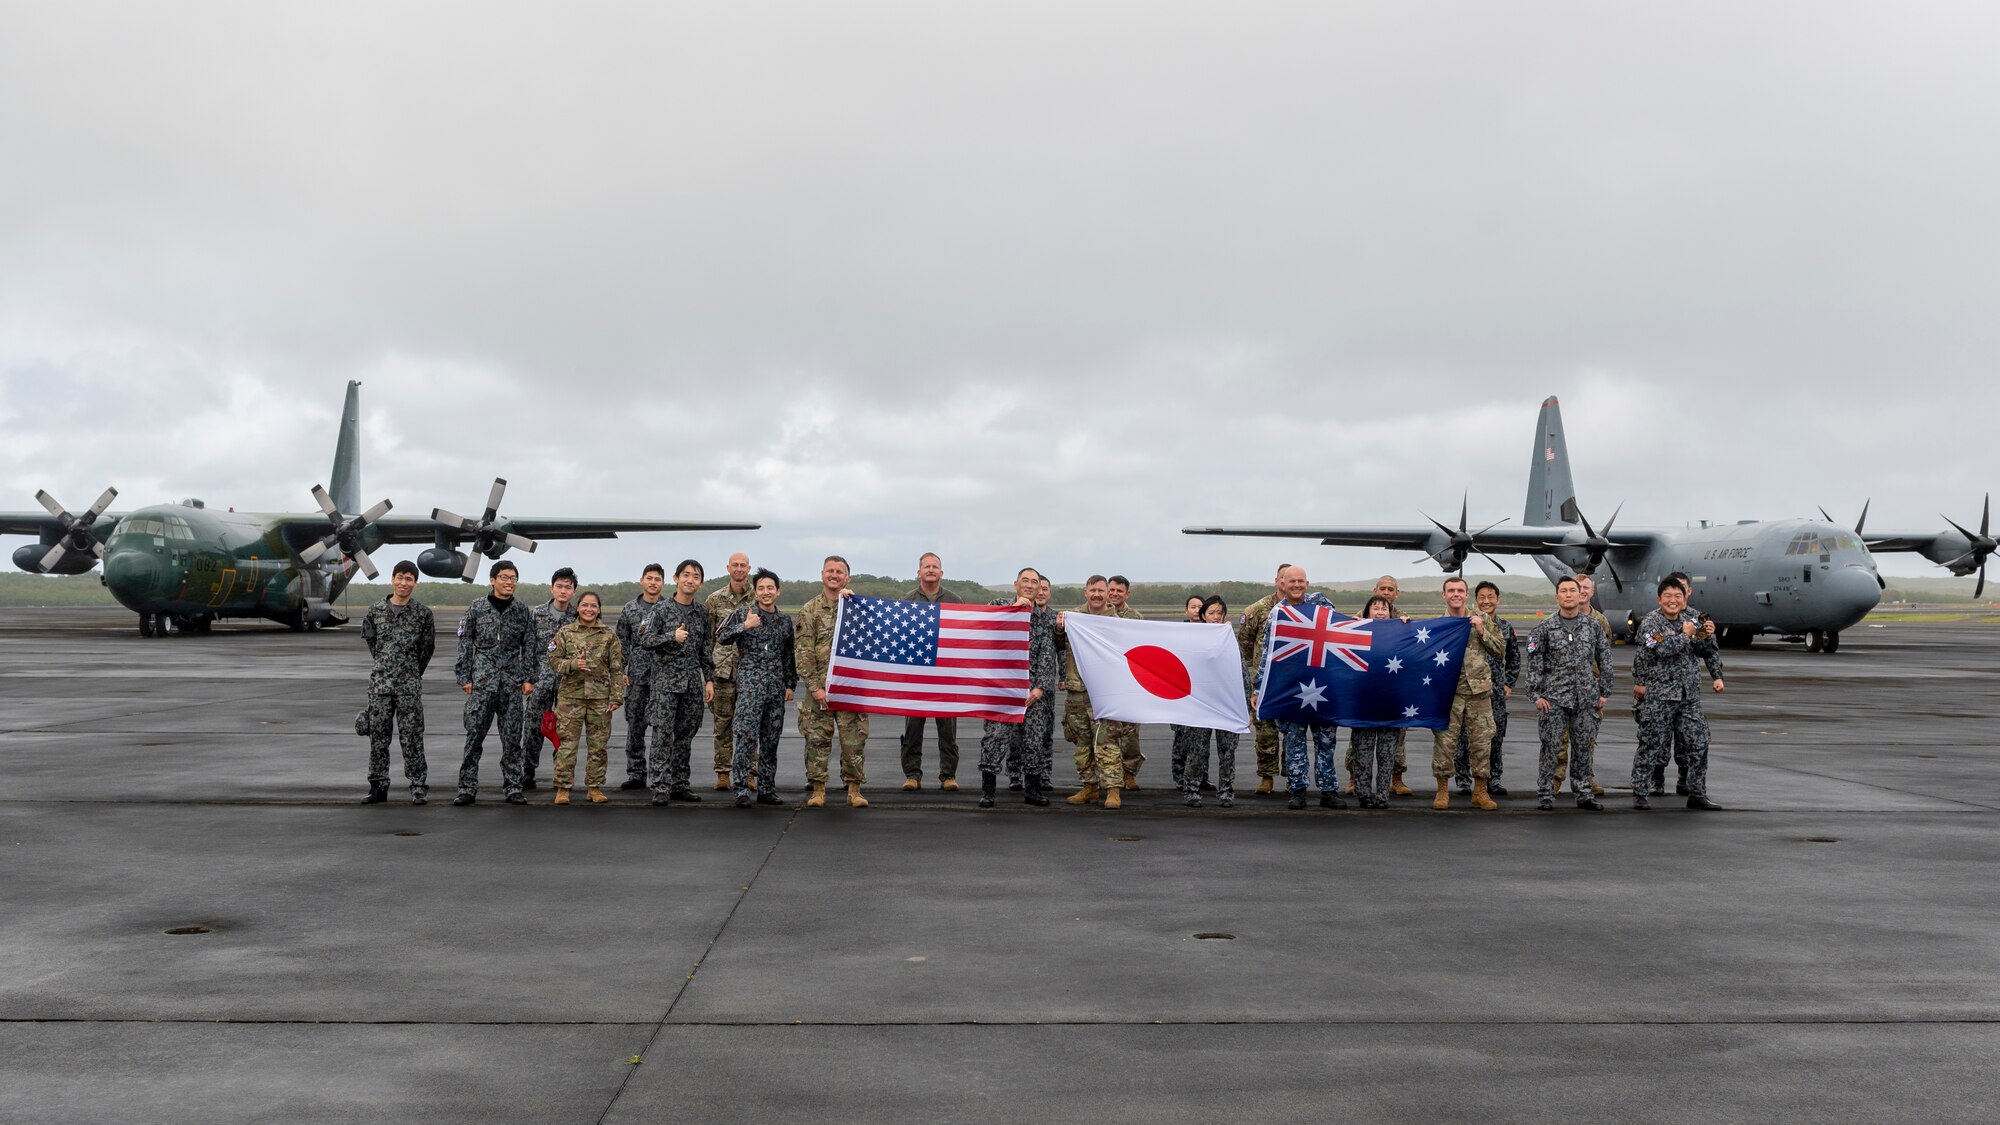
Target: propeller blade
1985, 516
326, 503
1613, 519
1441, 527
376, 512
1615, 580
366, 564
49, 502
471, 565
311, 554
1824, 514
1464, 504
1589, 532
1491, 526
1491, 559
1981, 587
103, 501
60, 551
1969, 537
520, 543
453, 519
1863, 521
493, 498
97, 548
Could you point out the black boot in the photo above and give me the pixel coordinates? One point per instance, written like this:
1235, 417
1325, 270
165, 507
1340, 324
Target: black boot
1298, 800
378, 792
1328, 799
1033, 793
986, 782
1659, 782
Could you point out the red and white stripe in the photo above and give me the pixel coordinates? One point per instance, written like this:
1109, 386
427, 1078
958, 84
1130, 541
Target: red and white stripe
981, 671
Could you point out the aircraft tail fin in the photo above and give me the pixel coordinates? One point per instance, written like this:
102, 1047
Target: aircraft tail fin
1551, 492
345, 482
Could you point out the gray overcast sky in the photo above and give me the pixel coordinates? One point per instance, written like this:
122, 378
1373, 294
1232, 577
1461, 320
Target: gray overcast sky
1024, 282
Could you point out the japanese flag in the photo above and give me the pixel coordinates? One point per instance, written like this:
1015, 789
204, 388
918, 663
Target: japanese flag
1160, 671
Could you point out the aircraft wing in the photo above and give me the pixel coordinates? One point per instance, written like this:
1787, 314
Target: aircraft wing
1890, 542
1496, 541
35, 523
423, 529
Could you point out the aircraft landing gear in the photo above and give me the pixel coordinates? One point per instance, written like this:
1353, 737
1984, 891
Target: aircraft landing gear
145, 624
1816, 641
1832, 643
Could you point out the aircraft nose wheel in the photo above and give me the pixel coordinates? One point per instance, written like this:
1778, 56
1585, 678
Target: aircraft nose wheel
145, 624
1816, 641
1832, 642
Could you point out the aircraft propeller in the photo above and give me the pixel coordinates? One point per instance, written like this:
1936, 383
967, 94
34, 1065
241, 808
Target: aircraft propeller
1981, 545
487, 538
346, 533
1463, 542
1859, 523
75, 529
1599, 544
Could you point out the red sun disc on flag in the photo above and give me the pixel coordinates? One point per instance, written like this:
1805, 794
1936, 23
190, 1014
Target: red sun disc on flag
1159, 672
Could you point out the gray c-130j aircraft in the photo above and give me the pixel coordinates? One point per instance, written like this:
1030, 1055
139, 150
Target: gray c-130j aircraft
186, 565
1802, 579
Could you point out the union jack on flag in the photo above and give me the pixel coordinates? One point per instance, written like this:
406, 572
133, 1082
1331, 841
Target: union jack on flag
1322, 634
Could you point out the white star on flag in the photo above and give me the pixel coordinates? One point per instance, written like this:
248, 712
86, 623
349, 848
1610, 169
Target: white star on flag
1395, 664
1441, 658
1311, 694
1409, 712
1427, 681
1423, 636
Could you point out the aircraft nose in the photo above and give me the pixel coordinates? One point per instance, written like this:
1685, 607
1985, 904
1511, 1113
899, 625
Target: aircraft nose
1854, 592
131, 575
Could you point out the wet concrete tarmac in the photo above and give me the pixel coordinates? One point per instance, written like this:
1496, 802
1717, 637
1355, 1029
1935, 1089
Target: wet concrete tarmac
1827, 949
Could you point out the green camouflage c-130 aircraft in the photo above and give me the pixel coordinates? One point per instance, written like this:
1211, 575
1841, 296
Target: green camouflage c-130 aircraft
184, 566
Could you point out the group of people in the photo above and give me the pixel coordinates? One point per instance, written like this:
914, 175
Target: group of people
669, 658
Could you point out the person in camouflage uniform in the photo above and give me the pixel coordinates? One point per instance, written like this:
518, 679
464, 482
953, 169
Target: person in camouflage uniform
549, 616
1295, 587
638, 671
1667, 687
930, 588
1713, 659
1372, 750
587, 657
402, 636
1191, 743
818, 722
1117, 589
683, 683
722, 704
1183, 736
496, 670
1044, 753
1471, 704
1100, 766
1022, 742
1270, 758
1569, 677
1588, 585
1506, 670
766, 674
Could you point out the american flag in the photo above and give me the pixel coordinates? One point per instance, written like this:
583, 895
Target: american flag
935, 659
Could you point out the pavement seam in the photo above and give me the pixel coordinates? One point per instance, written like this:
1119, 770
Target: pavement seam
1775, 1021
661, 1026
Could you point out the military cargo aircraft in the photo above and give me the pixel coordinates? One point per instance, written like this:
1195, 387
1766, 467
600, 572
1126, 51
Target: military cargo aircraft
1805, 580
184, 566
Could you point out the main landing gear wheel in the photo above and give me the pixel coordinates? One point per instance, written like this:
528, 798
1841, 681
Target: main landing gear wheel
1832, 644
1816, 641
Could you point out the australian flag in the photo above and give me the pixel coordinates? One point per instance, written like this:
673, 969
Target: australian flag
1325, 667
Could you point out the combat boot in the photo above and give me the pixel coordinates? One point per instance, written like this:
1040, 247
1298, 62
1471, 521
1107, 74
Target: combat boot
986, 783
562, 795
854, 798
1443, 799
378, 792
1033, 793
1086, 795
1701, 801
1397, 788
1131, 780
1659, 782
911, 785
1596, 790
818, 798
949, 785
1113, 799
1480, 798
1263, 787
721, 781
1328, 800
596, 795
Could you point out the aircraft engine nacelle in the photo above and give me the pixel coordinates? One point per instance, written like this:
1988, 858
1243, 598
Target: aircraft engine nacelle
29, 558
442, 562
